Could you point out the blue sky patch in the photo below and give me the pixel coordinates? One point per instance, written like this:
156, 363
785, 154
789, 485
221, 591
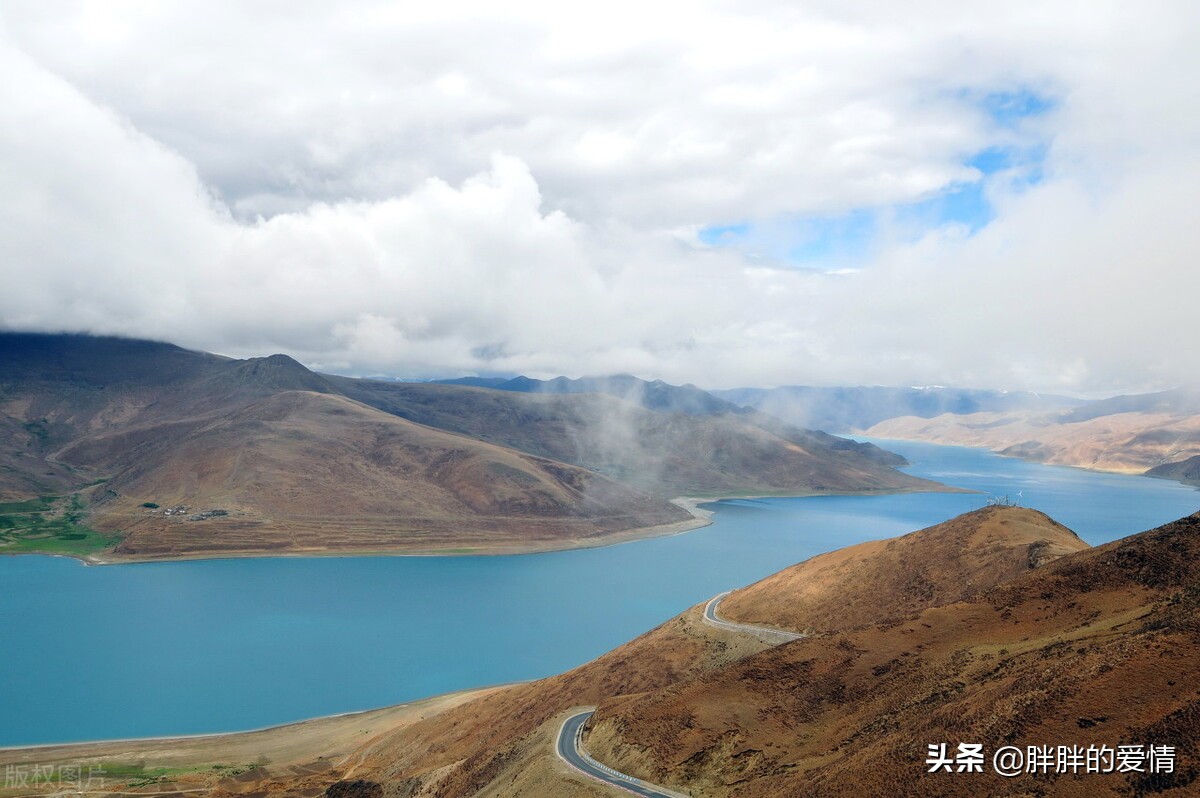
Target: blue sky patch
839, 241
1008, 108
829, 240
724, 235
993, 159
834, 239
964, 204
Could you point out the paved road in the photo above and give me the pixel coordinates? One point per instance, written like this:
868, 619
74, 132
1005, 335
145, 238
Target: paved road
571, 751
712, 619
569, 745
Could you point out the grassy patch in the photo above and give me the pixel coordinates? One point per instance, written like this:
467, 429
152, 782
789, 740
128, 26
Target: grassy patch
28, 506
49, 525
136, 774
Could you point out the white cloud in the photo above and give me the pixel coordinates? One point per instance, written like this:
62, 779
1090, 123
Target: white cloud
517, 189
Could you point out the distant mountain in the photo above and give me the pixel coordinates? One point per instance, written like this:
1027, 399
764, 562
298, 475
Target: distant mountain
1130, 434
652, 395
1178, 402
56, 389
290, 463
664, 453
263, 455
1187, 471
858, 409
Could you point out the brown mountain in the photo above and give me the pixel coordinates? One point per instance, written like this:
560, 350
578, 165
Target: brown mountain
1128, 434
666, 453
1185, 471
1053, 643
264, 455
682, 683
889, 580
304, 471
1099, 647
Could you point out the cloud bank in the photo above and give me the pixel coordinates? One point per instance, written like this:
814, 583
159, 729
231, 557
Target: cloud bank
462, 190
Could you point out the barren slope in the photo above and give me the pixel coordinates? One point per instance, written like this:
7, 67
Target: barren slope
887, 580
670, 454
1129, 441
1099, 645
500, 745
1187, 471
263, 455
313, 472
1102, 646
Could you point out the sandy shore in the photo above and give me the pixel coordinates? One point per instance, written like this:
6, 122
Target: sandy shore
700, 518
333, 744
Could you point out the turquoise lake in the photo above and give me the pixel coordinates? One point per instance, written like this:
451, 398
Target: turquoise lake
223, 645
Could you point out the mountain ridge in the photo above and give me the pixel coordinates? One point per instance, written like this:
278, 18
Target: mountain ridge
855, 409
202, 455
850, 709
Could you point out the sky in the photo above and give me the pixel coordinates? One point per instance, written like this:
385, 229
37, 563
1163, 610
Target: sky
730, 194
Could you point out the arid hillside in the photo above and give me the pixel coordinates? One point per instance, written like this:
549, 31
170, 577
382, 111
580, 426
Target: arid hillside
1124, 434
1098, 647
1187, 471
666, 453
157, 451
1054, 643
889, 580
305, 471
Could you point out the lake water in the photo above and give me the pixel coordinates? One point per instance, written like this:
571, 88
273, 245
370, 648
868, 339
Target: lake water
220, 645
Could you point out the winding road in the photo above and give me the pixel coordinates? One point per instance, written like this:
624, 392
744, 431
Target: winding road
569, 745
570, 750
764, 632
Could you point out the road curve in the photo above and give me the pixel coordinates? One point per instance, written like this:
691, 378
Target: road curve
569, 746
570, 750
712, 619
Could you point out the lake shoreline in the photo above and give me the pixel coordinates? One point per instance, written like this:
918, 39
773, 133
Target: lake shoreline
7, 752
700, 519
333, 744
296, 617
1129, 471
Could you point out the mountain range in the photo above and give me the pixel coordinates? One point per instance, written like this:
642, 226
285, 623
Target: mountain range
176, 453
1155, 434
651, 394
854, 409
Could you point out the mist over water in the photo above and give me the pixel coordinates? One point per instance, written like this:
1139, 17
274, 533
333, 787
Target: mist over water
222, 645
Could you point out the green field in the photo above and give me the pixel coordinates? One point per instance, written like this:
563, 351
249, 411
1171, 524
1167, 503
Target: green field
138, 775
49, 525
